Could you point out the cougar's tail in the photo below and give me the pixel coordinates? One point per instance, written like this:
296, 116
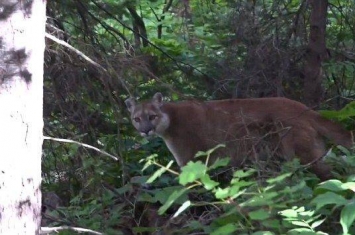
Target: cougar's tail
333, 132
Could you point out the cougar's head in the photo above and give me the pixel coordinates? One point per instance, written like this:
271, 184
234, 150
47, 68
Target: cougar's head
147, 117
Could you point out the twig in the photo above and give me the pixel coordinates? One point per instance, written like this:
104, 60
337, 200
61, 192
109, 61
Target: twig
81, 144
248, 134
48, 230
165, 168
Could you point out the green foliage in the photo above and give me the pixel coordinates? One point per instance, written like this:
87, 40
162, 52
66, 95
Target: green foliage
191, 172
348, 112
306, 220
248, 205
207, 49
339, 195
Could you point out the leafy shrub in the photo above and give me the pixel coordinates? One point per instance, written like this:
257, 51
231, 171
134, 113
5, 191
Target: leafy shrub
162, 200
286, 204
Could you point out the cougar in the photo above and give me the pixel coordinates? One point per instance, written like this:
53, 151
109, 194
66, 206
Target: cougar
243, 126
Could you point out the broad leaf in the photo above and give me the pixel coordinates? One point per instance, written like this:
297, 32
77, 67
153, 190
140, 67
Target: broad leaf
337, 185
191, 172
259, 215
172, 198
208, 183
222, 193
347, 216
219, 163
327, 199
242, 173
317, 223
279, 178
225, 230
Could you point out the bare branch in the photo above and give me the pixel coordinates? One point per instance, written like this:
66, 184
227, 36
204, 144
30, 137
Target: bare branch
61, 42
81, 144
48, 230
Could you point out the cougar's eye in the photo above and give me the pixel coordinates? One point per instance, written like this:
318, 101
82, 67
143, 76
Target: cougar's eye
137, 119
152, 117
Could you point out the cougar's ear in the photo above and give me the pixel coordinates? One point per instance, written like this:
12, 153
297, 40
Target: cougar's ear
158, 98
130, 103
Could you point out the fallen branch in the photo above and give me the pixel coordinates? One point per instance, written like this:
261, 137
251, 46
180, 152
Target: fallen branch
83, 145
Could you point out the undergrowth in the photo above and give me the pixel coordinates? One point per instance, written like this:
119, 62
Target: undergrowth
198, 200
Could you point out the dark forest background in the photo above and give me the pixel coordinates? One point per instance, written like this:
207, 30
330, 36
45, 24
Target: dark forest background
101, 52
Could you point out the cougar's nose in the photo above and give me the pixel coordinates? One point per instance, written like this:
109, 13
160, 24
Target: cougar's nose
147, 131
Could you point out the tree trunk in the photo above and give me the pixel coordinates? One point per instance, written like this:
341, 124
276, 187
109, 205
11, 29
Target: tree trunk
316, 53
22, 27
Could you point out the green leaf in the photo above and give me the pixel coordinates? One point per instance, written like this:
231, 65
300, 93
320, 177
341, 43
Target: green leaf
208, 152
271, 223
344, 150
327, 199
279, 178
183, 207
222, 193
148, 161
300, 223
208, 183
289, 213
296, 188
344, 113
242, 174
219, 163
263, 233
337, 185
303, 231
162, 195
191, 172
172, 198
317, 223
159, 173
174, 96
146, 197
259, 215
235, 191
261, 199
224, 230
347, 216
332, 185
200, 154
349, 185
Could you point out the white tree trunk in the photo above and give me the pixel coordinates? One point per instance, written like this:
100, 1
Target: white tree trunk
22, 28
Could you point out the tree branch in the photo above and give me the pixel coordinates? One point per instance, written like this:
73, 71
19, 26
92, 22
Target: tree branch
61, 42
139, 23
49, 230
165, 9
177, 62
81, 144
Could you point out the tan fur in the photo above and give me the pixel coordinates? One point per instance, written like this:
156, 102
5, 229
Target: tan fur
242, 124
